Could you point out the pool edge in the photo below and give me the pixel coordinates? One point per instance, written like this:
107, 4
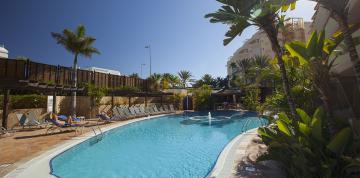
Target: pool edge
40, 166
223, 167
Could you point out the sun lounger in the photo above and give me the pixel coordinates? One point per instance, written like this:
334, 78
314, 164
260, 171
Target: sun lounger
65, 118
138, 112
156, 110
166, 109
22, 119
118, 114
161, 110
172, 108
126, 112
57, 125
32, 119
143, 111
105, 118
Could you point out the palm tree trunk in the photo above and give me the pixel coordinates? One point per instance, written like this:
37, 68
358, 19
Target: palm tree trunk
354, 56
73, 97
272, 35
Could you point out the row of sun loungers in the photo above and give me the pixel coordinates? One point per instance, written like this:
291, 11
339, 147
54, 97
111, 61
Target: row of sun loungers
121, 112
124, 112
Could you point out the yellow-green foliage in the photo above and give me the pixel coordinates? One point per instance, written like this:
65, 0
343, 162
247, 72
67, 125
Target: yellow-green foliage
251, 100
176, 99
202, 98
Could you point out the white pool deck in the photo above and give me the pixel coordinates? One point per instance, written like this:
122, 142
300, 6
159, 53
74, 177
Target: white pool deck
234, 150
39, 167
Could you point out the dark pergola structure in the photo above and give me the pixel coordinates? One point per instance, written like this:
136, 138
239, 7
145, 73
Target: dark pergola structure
27, 75
228, 94
26, 85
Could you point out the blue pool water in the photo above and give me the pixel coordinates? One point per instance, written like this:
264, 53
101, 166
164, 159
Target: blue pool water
164, 147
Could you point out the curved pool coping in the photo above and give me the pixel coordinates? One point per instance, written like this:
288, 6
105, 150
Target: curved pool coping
40, 166
234, 150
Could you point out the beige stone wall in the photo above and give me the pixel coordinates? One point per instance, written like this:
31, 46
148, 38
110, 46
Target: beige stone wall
13, 121
83, 107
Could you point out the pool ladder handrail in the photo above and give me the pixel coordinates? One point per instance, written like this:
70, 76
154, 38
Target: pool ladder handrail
96, 135
248, 121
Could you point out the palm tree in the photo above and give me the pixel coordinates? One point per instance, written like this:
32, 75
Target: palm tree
245, 65
77, 43
207, 79
155, 80
240, 14
185, 77
339, 11
174, 80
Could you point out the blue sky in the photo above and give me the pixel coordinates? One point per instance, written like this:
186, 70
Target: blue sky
179, 35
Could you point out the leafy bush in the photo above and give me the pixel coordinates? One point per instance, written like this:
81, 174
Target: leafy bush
176, 98
26, 101
95, 93
251, 100
128, 89
308, 149
202, 98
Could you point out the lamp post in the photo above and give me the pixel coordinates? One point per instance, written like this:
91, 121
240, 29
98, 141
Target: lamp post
141, 70
149, 47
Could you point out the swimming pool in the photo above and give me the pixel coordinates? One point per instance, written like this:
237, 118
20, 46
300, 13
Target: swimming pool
168, 146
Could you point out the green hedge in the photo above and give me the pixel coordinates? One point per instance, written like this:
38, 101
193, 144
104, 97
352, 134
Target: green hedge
25, 101
202, 98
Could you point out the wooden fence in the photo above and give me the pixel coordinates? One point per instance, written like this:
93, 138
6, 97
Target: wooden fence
12, 69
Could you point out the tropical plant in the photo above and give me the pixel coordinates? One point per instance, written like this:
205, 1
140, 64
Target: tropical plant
77, 43
185, 77
221, 82
244, 66
317, 57
206, 79
26, 101
240, 14
165, 80
155, 81
308, 149
95, 93
252, 98
202, 98
177, 99
339, 10
169, 80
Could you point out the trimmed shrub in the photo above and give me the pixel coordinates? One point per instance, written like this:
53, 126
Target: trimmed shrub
25, 101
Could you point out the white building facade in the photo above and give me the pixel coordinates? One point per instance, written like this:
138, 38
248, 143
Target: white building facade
260, 45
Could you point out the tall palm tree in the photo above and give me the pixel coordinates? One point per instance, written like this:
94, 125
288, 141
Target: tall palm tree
185, 77
245, 65
155, 80
207, 79
174, 80
166, 80
339, 10
240, 14
77, 43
